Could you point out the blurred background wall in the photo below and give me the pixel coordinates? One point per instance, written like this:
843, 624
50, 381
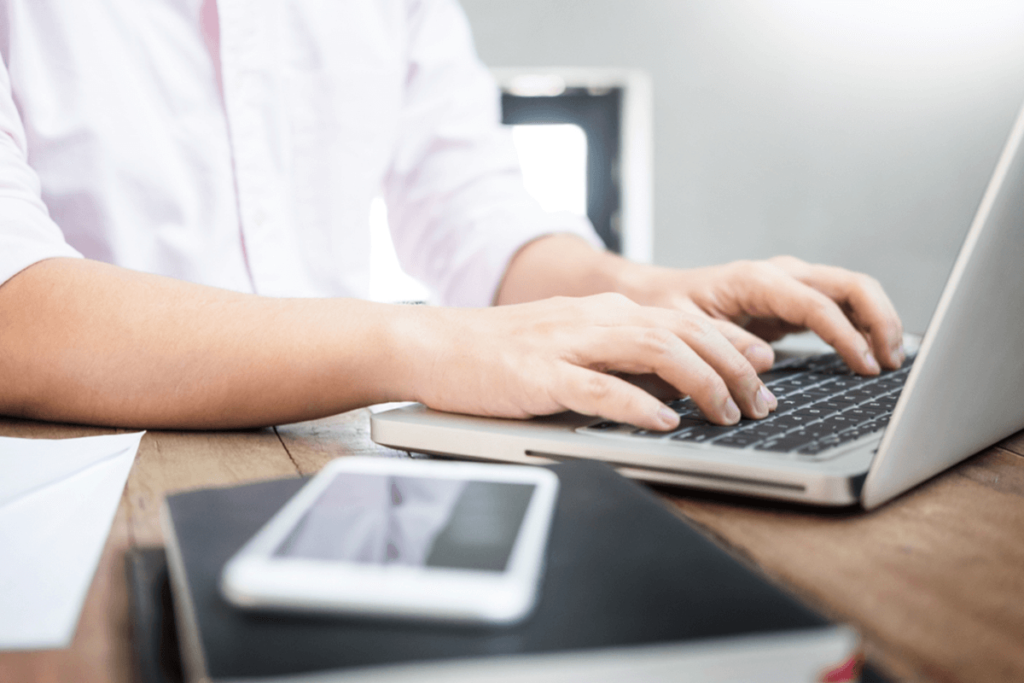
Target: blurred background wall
855, 132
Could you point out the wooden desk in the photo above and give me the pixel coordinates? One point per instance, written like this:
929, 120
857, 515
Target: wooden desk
934, 580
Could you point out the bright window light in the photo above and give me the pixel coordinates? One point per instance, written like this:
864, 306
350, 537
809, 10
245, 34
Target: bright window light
388, 282
554, 162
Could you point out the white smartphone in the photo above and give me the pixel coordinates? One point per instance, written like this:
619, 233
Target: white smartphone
452, 541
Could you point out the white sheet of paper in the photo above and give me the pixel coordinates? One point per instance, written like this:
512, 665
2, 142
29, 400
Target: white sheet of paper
58, 498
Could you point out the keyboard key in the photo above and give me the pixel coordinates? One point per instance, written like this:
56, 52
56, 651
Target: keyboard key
786, 444
841, 383
649, 433
785, 389
867, 393
820, 429
738, 440
837, 404
708, 432
692, 436
815, 393
840, 422
684, 424
684, 407
712, 430
792, 421
894, 381
814, 448
778, 375
813, 412
804, 380
763, 430
874, 408
860, 430
786, 405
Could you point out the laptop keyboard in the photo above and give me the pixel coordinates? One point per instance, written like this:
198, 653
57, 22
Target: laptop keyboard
822, 404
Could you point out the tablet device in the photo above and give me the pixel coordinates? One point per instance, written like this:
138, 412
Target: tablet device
403, 538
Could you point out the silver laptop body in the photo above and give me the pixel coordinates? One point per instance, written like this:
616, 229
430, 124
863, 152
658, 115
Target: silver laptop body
964, 392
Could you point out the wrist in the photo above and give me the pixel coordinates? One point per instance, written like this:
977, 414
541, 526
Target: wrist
560, 265
409, 344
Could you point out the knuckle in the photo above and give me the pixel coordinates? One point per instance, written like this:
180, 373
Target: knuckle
613, 299
746, 268
658, 341
697, 326
741, 370
786, 261
630, 403
764, 273
775, 270
820, 309
599, 306
598, 387
865, 283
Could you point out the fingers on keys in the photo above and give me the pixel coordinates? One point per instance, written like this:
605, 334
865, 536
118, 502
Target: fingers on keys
848, 310
686, 350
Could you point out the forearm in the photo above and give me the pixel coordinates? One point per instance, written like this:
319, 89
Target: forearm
562, 265
86, 342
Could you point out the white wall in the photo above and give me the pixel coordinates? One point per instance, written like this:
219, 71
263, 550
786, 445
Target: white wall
857, 132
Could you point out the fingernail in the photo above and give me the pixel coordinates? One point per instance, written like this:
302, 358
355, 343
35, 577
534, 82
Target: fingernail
668, 417
899, 354
760, 404
768, 397
869, 360
732, 411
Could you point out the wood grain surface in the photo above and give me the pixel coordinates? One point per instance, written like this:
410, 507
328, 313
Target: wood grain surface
933, 580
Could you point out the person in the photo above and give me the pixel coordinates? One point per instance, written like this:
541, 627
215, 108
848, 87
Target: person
214, 161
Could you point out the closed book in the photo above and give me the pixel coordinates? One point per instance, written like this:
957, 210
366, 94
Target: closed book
630, 592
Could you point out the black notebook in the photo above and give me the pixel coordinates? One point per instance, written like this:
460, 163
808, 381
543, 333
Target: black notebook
630, 590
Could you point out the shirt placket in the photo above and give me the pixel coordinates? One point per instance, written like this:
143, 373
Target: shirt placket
248, 92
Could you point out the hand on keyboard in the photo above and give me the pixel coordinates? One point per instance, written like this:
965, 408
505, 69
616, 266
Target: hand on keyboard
695, 329
560, 354
753, 302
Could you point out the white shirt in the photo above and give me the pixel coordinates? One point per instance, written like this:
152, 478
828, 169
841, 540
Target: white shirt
130, 134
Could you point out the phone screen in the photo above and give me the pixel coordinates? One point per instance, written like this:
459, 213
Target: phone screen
419, 521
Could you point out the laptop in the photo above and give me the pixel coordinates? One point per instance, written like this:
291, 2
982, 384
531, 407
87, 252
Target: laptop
837, 439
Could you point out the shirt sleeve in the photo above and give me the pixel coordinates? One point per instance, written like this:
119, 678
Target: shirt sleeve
27, 234
457, 206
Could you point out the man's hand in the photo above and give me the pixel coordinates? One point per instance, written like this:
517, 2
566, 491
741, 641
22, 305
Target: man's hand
746, 303
557, 354
754, 301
